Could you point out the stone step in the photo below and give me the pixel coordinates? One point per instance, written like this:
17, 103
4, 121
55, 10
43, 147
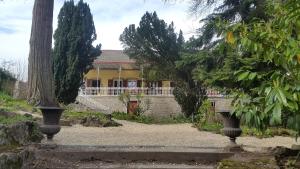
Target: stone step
144, 165
128, 154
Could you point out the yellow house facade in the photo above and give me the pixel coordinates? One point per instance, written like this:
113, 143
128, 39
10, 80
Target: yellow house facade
114, 73
115, 70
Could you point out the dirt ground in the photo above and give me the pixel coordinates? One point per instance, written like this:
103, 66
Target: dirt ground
132, 133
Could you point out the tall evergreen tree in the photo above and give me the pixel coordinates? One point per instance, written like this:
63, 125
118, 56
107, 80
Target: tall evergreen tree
154, 42
73, 51
158, 45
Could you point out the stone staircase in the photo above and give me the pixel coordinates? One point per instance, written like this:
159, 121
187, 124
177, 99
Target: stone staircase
127, 157
93, 104
166, 106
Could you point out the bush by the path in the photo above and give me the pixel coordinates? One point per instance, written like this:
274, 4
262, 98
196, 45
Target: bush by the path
151, 120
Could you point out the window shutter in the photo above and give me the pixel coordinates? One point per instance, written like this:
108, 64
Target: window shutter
125, 83
139, 83
110, 83
159, 83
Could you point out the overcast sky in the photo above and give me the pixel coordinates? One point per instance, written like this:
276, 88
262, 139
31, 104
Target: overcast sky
110, 18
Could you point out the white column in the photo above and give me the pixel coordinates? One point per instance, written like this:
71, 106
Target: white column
98, 69
119, 82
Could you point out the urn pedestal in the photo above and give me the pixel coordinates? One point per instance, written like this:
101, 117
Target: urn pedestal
231, 127
51, 117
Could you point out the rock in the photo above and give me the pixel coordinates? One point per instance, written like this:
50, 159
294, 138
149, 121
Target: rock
64, 122
17, 160
21, 133
5, 139
10, 161
97, 122
91, 122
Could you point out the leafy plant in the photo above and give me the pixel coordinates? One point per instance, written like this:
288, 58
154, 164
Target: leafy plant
258, 63
142, 104
125, 99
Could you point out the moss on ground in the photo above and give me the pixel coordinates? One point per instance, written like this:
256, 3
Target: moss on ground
265, 163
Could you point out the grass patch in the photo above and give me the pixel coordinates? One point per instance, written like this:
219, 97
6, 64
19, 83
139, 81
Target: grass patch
80, 116
14, 119
270, 132
252, 164
210, 127
9, 104
151, 120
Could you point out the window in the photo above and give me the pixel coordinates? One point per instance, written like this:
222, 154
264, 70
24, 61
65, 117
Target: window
213, 104
95, 83
118, 83
132, 83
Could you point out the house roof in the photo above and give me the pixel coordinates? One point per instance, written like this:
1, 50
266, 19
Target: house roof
113, 59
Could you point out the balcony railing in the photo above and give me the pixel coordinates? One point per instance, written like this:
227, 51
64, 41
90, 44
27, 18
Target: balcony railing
115, 91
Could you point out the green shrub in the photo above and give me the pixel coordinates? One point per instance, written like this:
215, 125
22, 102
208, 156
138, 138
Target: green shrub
7, 81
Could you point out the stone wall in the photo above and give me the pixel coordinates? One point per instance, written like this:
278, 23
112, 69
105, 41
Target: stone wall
159, 105
221, 104
20, 90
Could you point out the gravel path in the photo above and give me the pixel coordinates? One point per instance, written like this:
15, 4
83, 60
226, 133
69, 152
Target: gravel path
132, 134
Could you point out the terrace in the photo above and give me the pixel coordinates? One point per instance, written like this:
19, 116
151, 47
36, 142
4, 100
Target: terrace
115, 91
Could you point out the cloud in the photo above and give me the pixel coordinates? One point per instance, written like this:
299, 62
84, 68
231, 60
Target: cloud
110, 18
6, 30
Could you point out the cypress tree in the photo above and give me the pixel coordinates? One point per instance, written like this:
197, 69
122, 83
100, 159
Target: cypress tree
73, 51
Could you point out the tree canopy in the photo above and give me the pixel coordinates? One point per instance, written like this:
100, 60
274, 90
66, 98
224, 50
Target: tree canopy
153, 42
73, 50
157, 46
257, 61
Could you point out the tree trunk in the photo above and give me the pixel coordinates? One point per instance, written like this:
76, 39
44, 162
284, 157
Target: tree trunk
40, 76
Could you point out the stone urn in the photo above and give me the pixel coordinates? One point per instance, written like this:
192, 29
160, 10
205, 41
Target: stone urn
231, 126
51, 117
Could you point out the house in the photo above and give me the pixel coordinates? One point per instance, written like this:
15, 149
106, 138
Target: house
114, 72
